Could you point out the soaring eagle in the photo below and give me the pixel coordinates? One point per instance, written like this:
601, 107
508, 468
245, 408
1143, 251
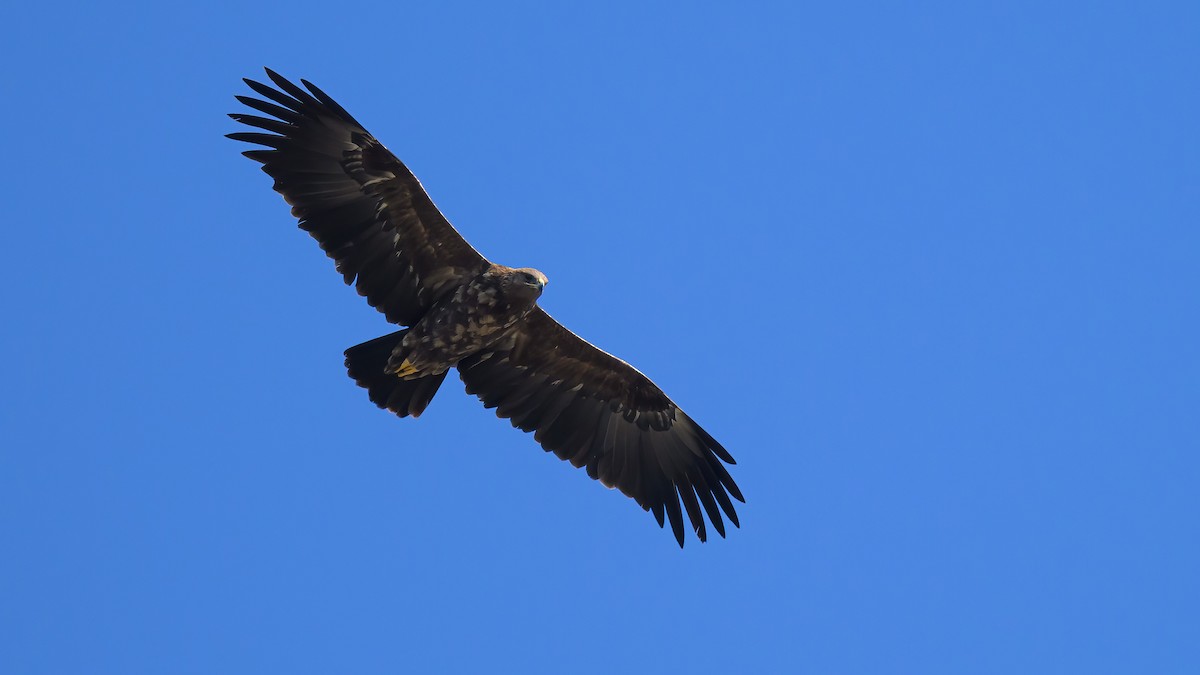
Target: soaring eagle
372, 217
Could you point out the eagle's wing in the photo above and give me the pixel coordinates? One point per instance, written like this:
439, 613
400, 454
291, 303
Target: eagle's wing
366, 209
595, 410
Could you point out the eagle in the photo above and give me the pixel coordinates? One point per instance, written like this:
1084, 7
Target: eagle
459, 310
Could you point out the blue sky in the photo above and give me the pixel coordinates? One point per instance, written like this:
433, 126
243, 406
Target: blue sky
927, 270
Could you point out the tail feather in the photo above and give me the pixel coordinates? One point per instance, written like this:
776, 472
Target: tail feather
366, 364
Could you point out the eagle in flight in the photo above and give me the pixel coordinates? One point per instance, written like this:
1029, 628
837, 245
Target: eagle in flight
372, 217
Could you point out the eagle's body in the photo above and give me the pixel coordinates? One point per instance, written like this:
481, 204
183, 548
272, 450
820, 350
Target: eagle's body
371, 215
462, 323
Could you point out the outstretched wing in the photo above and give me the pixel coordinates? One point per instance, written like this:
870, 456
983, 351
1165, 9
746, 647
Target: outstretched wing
364, 207
596, 411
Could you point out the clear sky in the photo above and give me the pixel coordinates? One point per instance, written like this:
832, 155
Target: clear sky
929, 271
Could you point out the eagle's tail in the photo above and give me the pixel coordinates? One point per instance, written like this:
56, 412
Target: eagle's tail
366, 364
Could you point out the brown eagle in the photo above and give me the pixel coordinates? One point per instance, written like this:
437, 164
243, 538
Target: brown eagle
371, 216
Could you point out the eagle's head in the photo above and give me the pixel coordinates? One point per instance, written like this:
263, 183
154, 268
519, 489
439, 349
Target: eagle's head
524, 283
